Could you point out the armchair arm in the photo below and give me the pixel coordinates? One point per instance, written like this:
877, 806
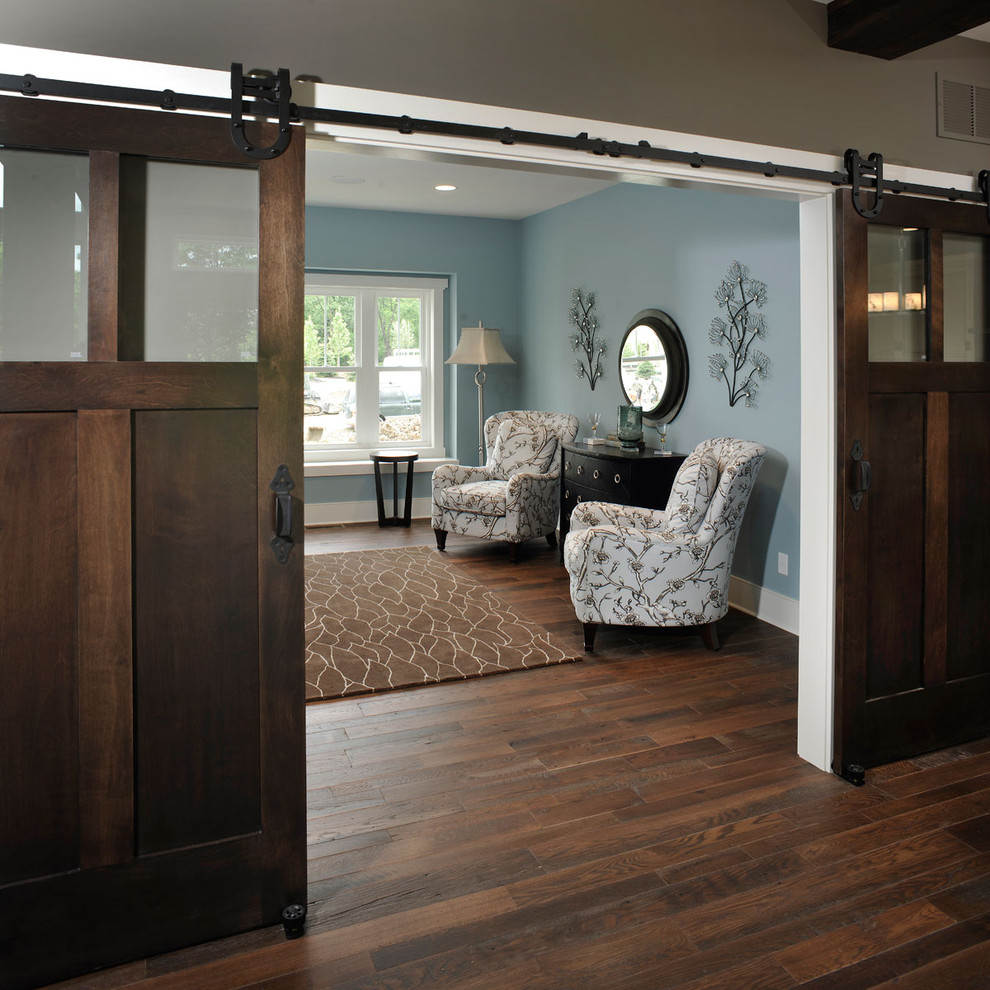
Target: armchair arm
532, 503
587, 514
456, 474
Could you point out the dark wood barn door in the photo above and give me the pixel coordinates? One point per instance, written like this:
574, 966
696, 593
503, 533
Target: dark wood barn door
913, 603
152, 760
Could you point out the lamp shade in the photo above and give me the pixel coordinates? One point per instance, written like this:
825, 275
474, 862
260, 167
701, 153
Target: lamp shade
480, 345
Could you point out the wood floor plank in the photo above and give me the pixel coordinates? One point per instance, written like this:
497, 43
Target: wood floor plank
758, 974
802, 894
965, 970
854, 943
942, 944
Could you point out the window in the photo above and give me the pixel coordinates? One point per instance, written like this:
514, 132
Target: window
373, 375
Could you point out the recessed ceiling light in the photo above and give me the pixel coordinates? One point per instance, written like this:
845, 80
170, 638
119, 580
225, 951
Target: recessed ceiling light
347, 180
445, 188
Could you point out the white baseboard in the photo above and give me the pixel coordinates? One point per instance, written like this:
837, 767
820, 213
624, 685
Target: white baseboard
336, 513
770, 606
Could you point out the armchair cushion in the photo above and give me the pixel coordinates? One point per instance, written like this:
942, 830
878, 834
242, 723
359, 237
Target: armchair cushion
486, 498
522, 446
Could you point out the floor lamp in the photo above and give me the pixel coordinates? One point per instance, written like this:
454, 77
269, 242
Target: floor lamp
480, 345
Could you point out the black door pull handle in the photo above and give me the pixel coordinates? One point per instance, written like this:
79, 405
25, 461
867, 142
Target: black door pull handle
282, 485
283, 514
864, 475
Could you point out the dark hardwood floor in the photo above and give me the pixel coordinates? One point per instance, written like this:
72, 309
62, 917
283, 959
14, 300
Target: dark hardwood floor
636, 821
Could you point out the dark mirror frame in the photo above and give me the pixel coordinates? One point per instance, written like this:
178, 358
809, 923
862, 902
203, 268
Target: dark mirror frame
677, 363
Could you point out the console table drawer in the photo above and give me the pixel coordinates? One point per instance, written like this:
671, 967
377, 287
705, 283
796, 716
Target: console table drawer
609, 481
575, 494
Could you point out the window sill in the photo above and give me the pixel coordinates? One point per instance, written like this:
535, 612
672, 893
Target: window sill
339, 469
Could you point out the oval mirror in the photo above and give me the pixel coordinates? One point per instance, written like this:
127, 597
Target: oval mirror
653, 365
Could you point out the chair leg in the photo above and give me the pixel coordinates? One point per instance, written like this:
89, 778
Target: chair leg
441, 535
709, 636
590, 629
513, 553
552, 539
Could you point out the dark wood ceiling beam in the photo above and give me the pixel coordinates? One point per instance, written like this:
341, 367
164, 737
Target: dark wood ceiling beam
891, 28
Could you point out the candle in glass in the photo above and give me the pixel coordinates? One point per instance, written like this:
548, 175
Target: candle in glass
630, 425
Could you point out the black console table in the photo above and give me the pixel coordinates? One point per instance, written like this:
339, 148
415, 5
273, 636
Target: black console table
610, 474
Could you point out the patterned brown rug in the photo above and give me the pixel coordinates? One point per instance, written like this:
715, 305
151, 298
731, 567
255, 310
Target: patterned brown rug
382, 619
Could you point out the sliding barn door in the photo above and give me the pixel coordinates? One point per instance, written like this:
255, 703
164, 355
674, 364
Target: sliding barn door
151, 638
914, 432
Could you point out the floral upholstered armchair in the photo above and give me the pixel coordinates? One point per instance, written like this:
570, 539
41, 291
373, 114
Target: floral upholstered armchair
642, 567
515, 496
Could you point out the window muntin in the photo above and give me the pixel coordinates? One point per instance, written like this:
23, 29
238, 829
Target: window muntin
372, 365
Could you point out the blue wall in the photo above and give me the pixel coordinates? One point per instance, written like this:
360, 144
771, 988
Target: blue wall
640, 247
636, 247
481, 259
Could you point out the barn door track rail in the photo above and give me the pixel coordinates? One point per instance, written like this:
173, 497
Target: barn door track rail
269, 96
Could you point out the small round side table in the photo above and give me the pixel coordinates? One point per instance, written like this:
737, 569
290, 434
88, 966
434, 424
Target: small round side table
395, 458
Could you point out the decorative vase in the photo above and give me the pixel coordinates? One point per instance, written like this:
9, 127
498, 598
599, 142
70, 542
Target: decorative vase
630, 426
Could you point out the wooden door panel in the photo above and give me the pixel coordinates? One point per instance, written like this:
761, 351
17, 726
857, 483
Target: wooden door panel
127, 385
106, 723
968, 537
112, 914
196, 625
896, 549
39, 753
950, 714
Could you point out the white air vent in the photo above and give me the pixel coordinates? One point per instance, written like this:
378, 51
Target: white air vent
963, 110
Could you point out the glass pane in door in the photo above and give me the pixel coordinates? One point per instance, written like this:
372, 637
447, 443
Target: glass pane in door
898, 298
966, 280
44, 254
189, 262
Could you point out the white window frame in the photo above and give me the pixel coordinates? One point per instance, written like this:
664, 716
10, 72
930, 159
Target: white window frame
366, 289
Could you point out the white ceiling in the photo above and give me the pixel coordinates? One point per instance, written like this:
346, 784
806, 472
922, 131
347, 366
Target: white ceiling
375, 181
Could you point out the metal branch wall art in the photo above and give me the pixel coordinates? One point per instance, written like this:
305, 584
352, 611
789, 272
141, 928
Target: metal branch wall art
584, 340
745, 367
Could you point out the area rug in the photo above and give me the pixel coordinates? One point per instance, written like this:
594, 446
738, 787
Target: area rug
383, 619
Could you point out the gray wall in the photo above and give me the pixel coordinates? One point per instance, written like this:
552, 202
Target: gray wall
755, 70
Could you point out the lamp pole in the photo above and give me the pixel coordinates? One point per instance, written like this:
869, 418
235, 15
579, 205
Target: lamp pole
479, 379
480, 345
